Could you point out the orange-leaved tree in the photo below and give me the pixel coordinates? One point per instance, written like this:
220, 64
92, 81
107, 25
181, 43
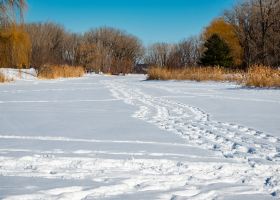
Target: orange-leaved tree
227, 33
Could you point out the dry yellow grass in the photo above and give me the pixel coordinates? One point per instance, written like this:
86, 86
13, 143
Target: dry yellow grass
54, 72
257, 76
194, 73
262, 76
2, 78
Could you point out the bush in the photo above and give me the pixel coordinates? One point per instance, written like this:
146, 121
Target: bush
262, 76
53, 72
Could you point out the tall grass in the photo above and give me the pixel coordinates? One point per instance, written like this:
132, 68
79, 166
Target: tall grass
2, 78
194, 74
262, 76
54, 72
256, 76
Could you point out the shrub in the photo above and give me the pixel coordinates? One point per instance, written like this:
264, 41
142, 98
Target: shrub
262, 76
53, 72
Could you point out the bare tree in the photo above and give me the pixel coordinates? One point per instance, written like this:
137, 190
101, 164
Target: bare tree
184, 54
255, 23
50, 44
190, 51
70, 48
115, 51
158, 54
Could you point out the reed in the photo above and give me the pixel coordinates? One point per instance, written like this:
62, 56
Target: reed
54, 72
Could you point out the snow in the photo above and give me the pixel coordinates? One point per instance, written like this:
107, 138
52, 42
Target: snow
109, 137
15, 74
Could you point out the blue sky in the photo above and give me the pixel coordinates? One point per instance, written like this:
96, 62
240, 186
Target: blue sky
150, 20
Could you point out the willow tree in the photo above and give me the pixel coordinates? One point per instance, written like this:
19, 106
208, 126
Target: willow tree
15, 47
14, 41
11, 11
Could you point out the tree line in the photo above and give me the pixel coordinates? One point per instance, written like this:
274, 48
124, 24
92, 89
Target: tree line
42, 44
257, 26
100, 50
247, 34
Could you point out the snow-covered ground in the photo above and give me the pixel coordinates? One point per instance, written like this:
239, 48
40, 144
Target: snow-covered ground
15, 74
107, 137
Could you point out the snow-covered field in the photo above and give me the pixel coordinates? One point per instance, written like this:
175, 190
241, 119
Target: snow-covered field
15, 74
106, 137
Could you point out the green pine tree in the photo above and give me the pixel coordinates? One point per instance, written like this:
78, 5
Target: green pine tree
217, 54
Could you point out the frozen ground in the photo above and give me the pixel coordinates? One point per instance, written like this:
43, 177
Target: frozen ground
102, 137
15, 74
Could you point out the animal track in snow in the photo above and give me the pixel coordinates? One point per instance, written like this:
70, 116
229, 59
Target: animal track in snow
196, 126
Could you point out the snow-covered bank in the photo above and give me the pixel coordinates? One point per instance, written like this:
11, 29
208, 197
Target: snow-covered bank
101, 137
16, 74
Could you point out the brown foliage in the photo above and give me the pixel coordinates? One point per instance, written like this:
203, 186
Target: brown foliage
54, 72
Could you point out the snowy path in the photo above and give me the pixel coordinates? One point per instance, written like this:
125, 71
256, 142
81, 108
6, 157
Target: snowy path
123, 138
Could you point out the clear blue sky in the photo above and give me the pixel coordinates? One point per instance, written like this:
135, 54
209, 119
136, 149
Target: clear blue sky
150, 20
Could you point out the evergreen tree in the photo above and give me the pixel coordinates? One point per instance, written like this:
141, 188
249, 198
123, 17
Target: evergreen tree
217, 53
